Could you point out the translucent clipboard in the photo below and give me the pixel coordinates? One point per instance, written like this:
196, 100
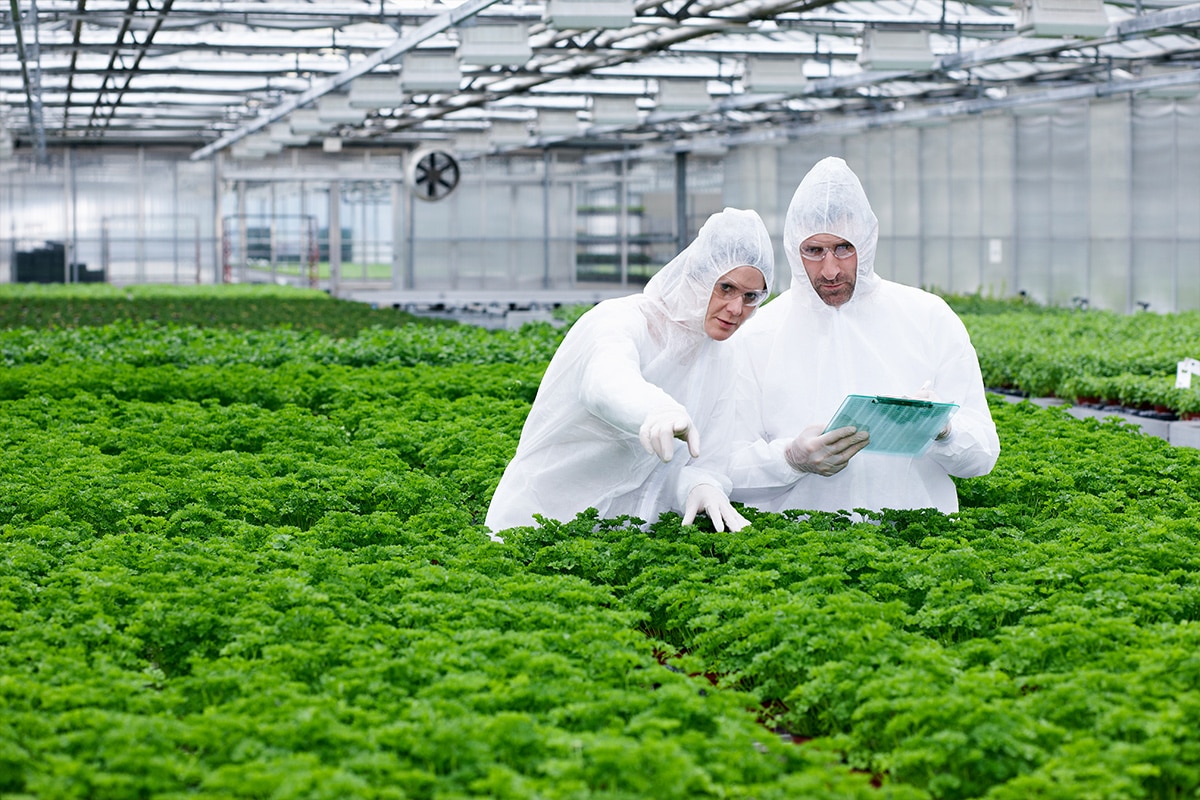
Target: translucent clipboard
898, 425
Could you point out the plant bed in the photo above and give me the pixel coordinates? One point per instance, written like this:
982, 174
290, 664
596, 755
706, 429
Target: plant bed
243, 564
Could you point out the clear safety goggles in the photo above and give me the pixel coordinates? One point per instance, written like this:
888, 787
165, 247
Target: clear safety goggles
817, 253
727, 291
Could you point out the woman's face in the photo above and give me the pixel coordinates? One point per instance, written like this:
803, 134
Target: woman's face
734, 298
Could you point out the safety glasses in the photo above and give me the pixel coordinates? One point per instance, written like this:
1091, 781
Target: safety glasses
728, 291
817, 253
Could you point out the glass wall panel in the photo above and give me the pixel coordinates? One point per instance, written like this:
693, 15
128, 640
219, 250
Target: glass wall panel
1187, 235
903, 260
934, 200
367, 216
196, 185
35, 216
1033, 206
1109, 207
1070, 189
113, 222
873, 166
750, 181
1156, 203
800, 155
120, 215
965, 206
493, 234
996, 204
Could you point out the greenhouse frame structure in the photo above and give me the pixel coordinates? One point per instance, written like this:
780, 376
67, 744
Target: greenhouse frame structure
1049, 150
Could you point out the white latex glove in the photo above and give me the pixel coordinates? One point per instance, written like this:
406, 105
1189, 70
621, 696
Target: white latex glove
825, 453
661, 428
926, 392
713, 502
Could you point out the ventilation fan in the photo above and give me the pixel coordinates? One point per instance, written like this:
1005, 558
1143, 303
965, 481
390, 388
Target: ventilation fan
432, 174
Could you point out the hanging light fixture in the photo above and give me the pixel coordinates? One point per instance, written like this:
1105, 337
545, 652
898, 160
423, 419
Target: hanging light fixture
589, 14
614, 110
335, 109
683, 94
895, 50
1054, 18
375, 91
774, 74
430, 71
494, 44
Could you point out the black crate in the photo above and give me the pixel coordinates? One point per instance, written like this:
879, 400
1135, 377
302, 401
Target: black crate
42, 264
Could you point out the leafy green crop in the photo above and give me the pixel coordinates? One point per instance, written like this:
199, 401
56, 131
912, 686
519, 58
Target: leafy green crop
248, 562
237, 306
1092, 356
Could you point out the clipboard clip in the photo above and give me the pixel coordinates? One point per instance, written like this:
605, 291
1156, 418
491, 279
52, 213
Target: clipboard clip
903, 401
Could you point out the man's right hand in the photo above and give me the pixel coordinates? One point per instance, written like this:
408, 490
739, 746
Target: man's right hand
825, 453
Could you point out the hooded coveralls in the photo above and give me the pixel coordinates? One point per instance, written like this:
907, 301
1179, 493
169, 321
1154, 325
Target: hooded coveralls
801, 357
623, 360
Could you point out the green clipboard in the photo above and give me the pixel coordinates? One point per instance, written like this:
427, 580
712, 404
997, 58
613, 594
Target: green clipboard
898, 426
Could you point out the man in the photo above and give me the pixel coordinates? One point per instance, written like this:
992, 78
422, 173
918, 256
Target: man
841, 329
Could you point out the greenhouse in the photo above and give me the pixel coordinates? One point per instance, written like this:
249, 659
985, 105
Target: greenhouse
287, 288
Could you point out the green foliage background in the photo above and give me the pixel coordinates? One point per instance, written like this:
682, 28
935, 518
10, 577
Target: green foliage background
242, 557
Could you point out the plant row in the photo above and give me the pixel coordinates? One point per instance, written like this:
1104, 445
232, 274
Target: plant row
237, 306
1090, 357
251, 564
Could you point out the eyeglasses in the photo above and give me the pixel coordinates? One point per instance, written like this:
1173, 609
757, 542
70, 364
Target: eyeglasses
817, 253
728, 291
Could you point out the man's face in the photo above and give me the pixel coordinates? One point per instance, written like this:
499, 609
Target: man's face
734, 297
832, 277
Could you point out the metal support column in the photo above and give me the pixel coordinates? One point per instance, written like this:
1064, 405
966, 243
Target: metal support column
71, 249
681, 231
243, 249
335, 236
399, 272
140, 267
623, 218
546, 219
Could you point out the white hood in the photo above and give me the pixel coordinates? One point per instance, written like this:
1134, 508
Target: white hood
831, 200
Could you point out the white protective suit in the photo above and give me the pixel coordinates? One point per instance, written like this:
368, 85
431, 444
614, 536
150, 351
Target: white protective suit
622, 361
801, 357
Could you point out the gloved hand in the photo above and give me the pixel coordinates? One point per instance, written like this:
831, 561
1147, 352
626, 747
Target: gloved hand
926, 392
661, 428
825, 453
713, 502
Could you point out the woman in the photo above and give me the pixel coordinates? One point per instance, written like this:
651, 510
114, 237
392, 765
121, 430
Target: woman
635, 375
